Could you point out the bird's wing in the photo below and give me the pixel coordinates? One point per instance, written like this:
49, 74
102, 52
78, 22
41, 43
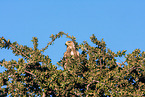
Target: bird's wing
78, 53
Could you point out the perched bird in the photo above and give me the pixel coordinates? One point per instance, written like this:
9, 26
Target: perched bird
71, 52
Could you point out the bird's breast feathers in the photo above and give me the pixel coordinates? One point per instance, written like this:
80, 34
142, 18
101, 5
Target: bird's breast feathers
72, 53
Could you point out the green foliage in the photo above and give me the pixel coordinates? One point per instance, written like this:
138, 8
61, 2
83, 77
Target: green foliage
95, 73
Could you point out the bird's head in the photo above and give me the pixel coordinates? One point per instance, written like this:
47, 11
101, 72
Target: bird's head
70, 44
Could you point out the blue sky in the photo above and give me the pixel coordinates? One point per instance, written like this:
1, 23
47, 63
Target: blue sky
120, 22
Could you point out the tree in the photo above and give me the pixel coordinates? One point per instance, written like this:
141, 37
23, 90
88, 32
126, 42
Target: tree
95, 73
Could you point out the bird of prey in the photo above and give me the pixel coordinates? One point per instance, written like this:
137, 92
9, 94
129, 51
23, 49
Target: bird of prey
71, 52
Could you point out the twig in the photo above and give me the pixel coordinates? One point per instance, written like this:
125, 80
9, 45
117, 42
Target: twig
30, 73
10, 44
20, 51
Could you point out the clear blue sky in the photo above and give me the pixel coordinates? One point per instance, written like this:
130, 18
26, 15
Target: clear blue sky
120, 22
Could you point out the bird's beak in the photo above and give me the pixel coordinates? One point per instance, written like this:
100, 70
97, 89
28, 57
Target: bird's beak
66, 44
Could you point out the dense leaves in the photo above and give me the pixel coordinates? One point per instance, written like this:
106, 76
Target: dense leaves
95, 73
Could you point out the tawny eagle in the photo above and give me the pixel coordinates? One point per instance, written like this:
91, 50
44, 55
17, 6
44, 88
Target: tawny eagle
71, 52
